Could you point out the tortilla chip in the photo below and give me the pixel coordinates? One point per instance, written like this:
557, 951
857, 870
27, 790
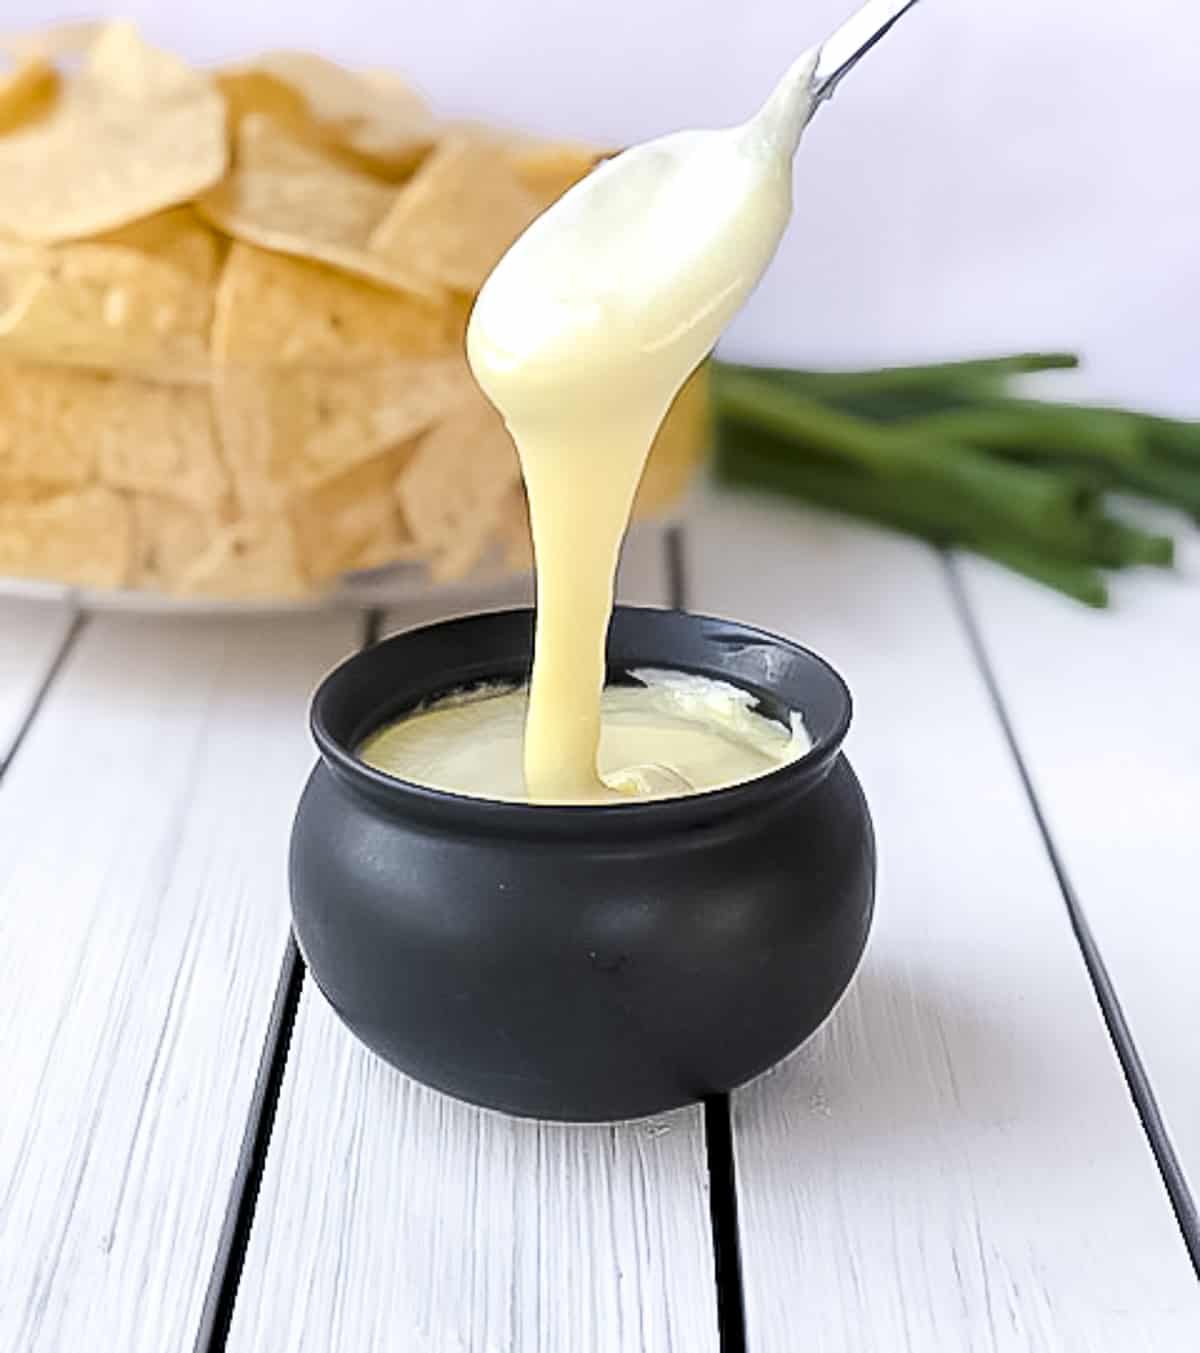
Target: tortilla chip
48, 423
316, 371
168, 540
135, 131
177, 237
286, 429
83, 538
377, 120
253, 93
159, 439
546, 168
16, 255
512, 533
679, 449
459, 558
384, 548
254, 559
107, 307
349, 520
280, 186
287, 196
457, 216
275, 310
452, 489
549, 168
27, 93
62, 429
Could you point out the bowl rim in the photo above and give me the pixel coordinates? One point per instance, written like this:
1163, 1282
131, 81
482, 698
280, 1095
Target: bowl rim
443, 807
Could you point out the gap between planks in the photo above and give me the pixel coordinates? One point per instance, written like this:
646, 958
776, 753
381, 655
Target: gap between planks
65, 644
718, 1123
1183, 1204
213, 1331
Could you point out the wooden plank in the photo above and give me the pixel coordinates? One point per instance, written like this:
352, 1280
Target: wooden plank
391, 1217
954, 1161
142, 920
34, 632
1104, 707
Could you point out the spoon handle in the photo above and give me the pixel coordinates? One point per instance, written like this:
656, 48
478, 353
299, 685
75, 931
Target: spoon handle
854, 39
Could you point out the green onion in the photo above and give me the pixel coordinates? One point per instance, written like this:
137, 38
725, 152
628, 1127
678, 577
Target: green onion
1027, 428
913, 512
1174, 438
986, 371
1004, 498
1075, 580
945, 452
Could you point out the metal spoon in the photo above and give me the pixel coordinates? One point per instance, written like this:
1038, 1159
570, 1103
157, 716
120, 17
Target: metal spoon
812, 78
853, 40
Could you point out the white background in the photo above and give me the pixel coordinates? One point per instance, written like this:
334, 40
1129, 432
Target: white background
997, 175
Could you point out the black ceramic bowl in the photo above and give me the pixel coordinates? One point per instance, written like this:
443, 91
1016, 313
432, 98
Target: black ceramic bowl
581, 963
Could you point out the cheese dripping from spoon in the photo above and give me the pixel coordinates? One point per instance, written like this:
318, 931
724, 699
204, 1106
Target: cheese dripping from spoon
581, 337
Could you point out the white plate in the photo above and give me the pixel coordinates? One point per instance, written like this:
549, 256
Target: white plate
397, 586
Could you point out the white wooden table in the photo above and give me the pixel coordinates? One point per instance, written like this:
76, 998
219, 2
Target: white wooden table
994, 1144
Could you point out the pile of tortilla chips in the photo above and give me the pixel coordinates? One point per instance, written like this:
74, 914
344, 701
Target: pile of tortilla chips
232, 308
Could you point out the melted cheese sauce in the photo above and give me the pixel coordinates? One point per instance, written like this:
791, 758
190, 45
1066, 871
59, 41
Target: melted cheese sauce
673, 734
581, 337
